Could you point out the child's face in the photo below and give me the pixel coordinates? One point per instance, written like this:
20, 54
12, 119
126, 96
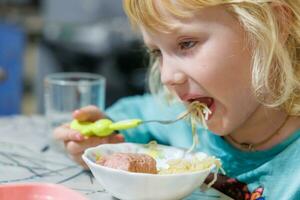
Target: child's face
208, 56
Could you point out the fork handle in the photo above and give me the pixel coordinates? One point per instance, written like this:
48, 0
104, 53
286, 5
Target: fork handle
125, 124
103, 127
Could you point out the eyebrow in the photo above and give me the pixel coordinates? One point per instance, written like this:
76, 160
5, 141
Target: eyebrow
177, 31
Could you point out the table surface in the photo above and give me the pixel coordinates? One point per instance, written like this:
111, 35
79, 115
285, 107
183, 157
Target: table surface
27, 155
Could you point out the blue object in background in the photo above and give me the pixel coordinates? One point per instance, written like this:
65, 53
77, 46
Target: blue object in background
11, 65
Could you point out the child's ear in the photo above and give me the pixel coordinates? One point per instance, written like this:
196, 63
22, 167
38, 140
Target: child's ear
285, 18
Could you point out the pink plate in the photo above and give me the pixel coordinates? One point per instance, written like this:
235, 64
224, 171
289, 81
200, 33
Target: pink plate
38, 191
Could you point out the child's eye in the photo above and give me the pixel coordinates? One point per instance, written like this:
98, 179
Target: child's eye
187, 45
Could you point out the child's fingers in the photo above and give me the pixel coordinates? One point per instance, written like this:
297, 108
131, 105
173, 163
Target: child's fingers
74, 147
111, 139
88, 113
116, 138
65, 134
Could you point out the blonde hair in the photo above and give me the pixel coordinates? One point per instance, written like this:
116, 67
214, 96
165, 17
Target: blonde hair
276, 59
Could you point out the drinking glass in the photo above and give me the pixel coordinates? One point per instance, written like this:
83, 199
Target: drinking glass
68, 91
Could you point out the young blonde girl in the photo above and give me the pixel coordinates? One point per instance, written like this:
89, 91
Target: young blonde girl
242, 59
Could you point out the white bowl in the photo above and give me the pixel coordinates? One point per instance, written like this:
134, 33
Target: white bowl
140, 186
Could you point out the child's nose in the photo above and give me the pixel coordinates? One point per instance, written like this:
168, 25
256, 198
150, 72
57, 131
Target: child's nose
172, 77
170, 72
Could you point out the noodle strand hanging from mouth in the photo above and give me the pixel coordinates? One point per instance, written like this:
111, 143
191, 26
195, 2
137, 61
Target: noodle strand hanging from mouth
196, 113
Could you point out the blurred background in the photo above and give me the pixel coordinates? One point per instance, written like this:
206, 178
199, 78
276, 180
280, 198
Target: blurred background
39, 37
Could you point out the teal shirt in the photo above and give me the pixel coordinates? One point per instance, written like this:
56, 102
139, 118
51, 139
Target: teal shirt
272, 174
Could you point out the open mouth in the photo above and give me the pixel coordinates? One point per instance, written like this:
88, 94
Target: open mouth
208, 101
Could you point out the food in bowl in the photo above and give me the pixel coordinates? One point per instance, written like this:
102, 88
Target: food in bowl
193, 164
143, 163
144, 186
132, 162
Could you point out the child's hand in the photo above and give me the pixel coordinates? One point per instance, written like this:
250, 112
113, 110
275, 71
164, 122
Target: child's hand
75, 143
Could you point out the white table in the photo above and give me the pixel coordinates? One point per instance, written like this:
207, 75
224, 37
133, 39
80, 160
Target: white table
25, 156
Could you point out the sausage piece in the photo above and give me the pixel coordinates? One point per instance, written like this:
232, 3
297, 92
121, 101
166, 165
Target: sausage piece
132, 162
